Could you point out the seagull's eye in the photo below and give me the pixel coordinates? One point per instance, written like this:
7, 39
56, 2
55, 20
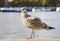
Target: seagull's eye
23, 9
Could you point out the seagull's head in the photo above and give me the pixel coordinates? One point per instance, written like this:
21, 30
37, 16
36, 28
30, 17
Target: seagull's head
23, 9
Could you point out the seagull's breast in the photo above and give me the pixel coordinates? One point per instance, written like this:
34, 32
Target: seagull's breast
24, 18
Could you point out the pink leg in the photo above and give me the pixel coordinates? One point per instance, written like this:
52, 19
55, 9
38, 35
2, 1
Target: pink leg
32, 34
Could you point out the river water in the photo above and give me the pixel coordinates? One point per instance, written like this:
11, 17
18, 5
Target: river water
11, 26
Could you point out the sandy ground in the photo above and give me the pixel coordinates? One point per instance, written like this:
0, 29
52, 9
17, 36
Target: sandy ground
45, 39
12, 27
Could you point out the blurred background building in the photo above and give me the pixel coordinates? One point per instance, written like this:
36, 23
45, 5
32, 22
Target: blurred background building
29, 3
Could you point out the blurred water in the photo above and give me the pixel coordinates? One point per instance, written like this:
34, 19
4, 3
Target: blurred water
12, 27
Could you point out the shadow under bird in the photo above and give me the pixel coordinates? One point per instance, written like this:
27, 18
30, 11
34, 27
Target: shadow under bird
33, 22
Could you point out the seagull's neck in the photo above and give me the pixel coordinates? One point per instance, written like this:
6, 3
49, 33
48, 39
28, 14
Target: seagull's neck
24, 14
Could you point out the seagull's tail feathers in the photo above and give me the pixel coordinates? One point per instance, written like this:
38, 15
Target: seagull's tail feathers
51, 27
48, 27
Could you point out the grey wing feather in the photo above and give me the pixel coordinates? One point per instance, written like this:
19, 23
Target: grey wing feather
34, 22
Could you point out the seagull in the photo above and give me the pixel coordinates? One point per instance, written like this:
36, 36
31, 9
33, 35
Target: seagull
33, 22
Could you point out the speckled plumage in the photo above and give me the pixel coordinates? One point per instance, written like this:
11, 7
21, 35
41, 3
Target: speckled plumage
33, 22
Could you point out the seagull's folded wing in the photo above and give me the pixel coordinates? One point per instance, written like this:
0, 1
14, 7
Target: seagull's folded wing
34, 22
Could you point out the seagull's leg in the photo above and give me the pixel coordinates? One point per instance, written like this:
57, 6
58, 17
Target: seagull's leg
33, 33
